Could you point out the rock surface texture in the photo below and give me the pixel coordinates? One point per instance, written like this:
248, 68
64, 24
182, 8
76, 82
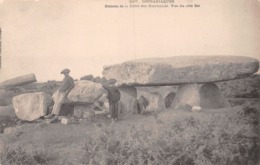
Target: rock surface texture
21, 80
181, 69
187, 95
31, 106
85, 92
128, 99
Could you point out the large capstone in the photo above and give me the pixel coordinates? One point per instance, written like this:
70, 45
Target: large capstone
31, 106
181, 69
85, 92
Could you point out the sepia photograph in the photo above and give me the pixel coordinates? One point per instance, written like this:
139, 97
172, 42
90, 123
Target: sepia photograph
129, 82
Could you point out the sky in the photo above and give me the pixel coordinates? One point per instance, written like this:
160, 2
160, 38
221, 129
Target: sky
45, 36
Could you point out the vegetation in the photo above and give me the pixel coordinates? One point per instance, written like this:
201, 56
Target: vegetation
6, 121
216, 137
19, 156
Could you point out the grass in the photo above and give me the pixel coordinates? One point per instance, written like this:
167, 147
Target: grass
208, 138
6, 121
20, 156
211, 137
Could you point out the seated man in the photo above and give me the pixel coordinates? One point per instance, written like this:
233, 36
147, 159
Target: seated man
61, 94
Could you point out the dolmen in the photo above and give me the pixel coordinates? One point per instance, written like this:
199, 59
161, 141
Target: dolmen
195, 76
31, 106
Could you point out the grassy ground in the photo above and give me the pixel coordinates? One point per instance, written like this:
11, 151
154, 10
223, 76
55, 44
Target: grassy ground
224, 136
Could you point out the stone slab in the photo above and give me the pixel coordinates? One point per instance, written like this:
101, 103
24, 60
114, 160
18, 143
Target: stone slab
20, 80
181, 69
31, 106
85, 92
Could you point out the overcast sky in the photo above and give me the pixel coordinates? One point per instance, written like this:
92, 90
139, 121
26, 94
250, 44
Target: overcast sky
45, 36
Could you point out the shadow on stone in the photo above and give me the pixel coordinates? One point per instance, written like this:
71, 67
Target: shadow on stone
211, 97
169, 99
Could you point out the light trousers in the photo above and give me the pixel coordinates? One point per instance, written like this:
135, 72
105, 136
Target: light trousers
58, 99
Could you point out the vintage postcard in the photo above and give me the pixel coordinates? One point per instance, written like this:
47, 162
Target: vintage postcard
127, 82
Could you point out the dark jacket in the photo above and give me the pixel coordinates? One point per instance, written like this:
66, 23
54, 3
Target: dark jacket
113, 93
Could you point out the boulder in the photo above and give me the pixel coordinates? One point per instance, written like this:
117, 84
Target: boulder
31, 106
85, 92
181, 69
87, 77
21, 80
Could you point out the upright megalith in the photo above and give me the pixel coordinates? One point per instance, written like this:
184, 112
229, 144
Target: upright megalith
156, 102
31, 106
128, 99
211, 97
189, 72
187, 95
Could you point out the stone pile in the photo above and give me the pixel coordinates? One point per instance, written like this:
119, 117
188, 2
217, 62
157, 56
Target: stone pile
82, 98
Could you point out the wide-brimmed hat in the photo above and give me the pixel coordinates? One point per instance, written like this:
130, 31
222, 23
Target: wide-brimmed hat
65, 71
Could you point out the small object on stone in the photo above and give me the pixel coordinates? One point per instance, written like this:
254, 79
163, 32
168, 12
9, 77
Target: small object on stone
9, 130
65, 121
196, 108
185, 107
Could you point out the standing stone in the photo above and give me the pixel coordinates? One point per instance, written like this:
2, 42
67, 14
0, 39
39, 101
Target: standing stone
187, 95
211, 97
128, 99
31, 106
156, 102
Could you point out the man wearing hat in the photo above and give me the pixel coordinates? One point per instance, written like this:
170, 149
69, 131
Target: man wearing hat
113, 96
60, 94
